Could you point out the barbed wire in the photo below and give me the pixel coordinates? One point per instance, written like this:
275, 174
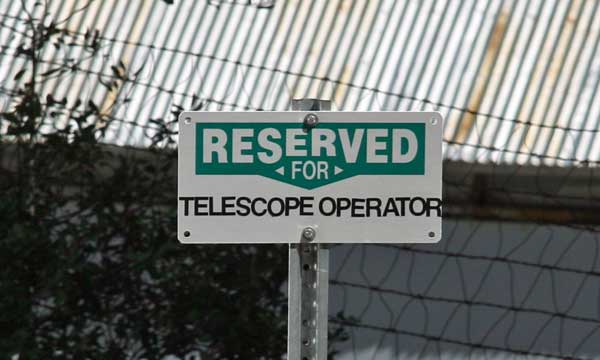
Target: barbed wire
375, 90
247, 107
496, 259
471, 345
419, 296
500, 269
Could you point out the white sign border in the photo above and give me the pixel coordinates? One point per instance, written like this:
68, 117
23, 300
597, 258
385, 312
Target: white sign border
268, 230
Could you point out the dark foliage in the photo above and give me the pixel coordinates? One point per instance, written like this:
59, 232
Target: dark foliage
91, 268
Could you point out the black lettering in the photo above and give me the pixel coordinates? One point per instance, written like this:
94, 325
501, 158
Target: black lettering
211, 210
342, 204
186, 204
373, 204
403, 201
434, 204
199, 205
291, 203
244, 204
306, 204
254, 211
419, 200
270, 207
322, 207
390, 206
227, 202
356, 206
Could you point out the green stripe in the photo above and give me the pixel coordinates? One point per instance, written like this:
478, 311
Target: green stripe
361, 167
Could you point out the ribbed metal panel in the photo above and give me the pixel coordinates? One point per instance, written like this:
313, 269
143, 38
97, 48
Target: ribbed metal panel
517, 80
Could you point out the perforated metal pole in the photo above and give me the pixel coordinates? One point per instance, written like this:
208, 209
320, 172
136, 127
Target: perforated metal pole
308, 277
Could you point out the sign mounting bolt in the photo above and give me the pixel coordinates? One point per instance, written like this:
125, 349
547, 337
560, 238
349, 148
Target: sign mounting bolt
311, 120
309, 233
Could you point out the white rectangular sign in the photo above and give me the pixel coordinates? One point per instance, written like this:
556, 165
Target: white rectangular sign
355, 177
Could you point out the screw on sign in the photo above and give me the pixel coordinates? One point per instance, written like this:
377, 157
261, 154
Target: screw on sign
311, 120
309, 233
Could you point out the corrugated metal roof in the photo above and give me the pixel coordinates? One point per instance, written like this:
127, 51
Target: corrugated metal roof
516, 79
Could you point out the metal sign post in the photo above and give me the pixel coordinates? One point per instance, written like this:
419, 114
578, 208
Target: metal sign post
308, 278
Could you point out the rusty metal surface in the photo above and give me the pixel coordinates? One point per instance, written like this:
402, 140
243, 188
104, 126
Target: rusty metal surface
517, 80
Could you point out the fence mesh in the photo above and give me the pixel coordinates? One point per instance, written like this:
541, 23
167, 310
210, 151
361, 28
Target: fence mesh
516, 273
489, 289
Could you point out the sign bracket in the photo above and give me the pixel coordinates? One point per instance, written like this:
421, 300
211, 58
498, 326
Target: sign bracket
308, 279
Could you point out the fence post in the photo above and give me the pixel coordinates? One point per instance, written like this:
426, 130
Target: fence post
308, 282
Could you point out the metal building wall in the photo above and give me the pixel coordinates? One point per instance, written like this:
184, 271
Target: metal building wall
516, 79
